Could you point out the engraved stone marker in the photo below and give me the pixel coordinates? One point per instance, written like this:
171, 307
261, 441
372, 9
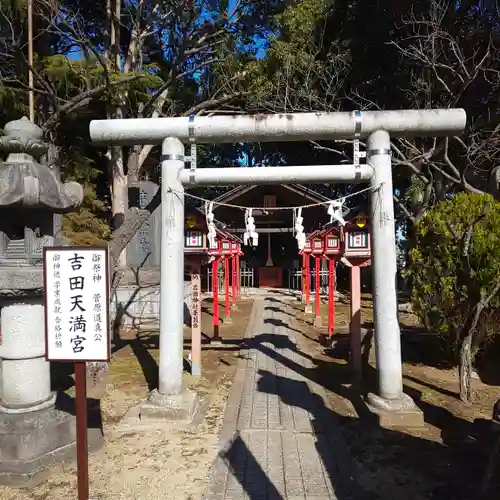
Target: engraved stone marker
144, 248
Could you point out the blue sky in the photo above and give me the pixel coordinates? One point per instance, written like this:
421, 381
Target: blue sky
259, 45
77, 54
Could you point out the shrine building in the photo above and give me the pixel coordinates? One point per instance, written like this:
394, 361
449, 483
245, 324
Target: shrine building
277, 251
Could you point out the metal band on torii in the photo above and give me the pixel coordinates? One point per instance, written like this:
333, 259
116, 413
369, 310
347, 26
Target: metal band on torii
191, 128
192, 168
356, 153
172, 157
376, 152
357, 124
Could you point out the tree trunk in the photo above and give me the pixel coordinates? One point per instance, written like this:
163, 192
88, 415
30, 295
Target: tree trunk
119, 194
465, 368
411, 239
133, 165
53, 162
119, 190
439, 187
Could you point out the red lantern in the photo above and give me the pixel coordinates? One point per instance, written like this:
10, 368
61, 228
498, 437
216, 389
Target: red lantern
357, 240
195, 241
317, 245
331, 242
307, 248
225, 246
214, 248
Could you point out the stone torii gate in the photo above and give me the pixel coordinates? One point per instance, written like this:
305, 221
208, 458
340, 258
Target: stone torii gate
376, 127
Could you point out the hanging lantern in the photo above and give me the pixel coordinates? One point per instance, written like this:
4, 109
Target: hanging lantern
360, 221
191, 221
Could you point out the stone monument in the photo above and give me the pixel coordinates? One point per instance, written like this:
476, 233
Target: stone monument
34, 433
143, 250
136, 301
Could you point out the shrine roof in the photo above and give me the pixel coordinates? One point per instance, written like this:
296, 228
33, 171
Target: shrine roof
298, 189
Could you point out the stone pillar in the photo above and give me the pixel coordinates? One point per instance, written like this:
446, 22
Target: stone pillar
171, 401
34, 434
25, 372
391, 405
171, 270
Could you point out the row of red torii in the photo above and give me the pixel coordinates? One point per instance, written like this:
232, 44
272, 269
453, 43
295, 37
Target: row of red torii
349, 244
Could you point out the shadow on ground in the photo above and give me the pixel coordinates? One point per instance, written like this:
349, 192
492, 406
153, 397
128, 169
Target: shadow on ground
387, 464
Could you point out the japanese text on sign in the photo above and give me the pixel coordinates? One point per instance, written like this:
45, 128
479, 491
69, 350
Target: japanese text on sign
144, 229
195, 299
76, 304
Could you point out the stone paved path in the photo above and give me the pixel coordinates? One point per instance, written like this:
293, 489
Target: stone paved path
279, 439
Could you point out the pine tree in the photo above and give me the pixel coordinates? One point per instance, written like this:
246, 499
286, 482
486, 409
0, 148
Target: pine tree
88, 225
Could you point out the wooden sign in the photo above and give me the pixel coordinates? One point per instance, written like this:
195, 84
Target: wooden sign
76, 304
76, 281
196, 323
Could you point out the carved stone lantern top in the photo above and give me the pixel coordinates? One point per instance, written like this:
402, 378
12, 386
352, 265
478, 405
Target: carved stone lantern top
26, 183
31, 194
23, 129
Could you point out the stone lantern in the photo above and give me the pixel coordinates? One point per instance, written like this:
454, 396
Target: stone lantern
32, 430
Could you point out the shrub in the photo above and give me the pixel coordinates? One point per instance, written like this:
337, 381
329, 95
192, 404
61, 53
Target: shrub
451, 273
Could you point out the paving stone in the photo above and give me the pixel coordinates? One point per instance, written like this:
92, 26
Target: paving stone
214, 496
277, 456
294, 487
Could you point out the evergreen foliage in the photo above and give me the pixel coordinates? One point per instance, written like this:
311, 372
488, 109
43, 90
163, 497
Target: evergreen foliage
446, 283
88, 225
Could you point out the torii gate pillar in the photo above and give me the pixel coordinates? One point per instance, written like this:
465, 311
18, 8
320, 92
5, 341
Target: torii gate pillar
391, 404
171, 401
